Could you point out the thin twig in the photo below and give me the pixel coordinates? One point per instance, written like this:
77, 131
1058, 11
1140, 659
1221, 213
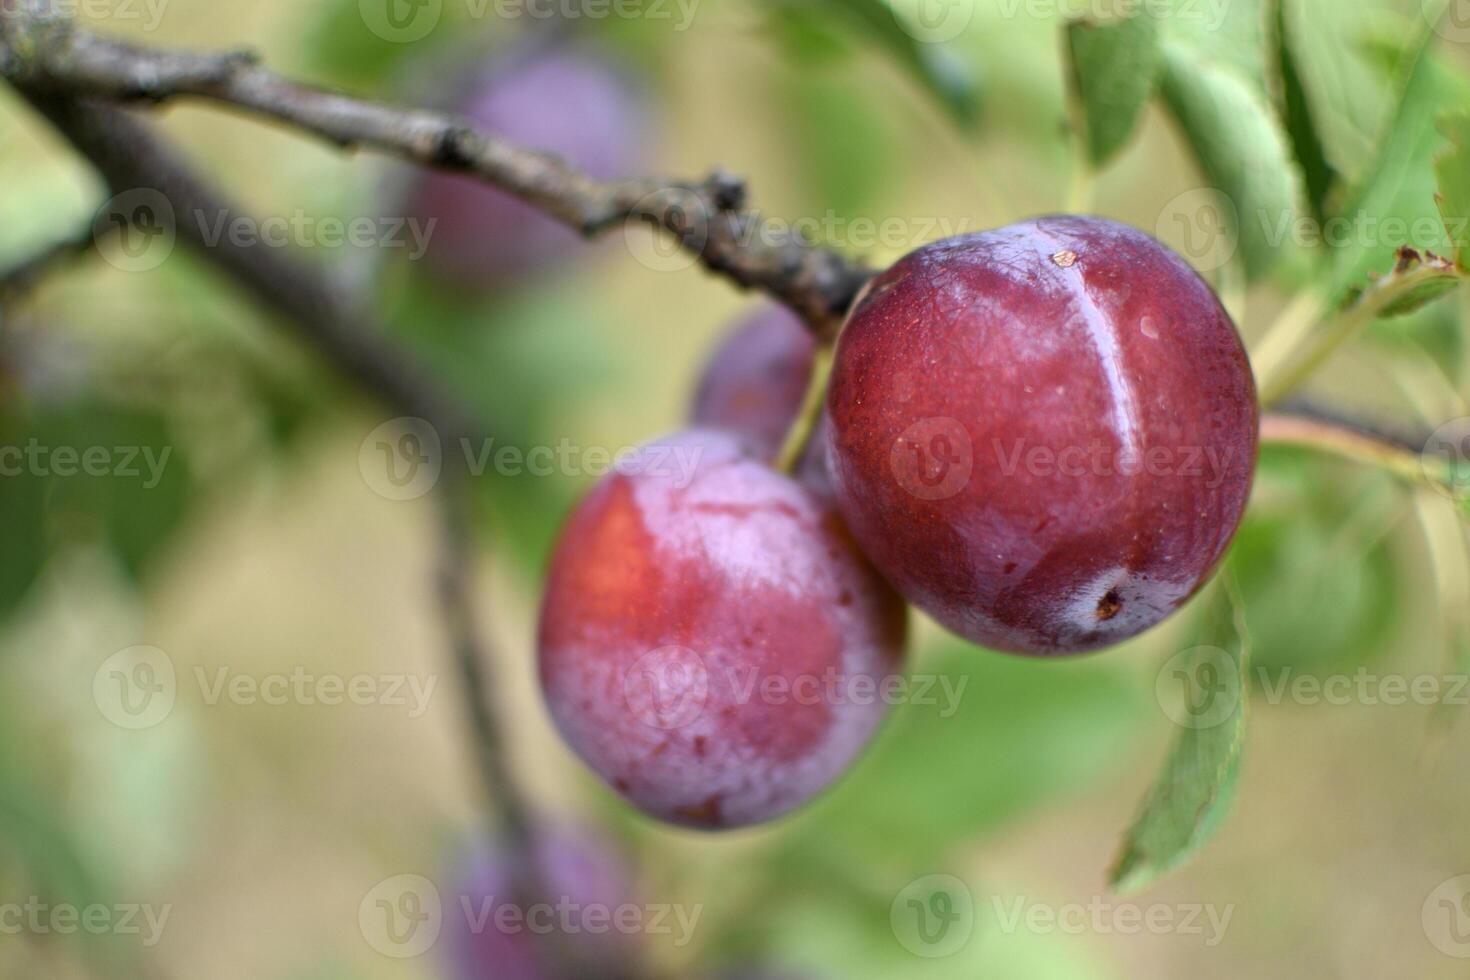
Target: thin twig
709, 216
472, 655
129, 156
1312, 426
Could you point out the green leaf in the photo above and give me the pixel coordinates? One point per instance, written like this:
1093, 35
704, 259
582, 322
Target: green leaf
1229, 125
132, 504
87, 470
1396, 193
842, 142
1452, 167
1114, 69
1318, 176
1192, 794
1027, 731
341, 46
935, 64
1415, 281
1308, 512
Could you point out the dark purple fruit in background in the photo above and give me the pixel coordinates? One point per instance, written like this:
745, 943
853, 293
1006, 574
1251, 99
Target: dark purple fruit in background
563, 100
1043, 435
488, 927
754, 383
711, 642
756, 378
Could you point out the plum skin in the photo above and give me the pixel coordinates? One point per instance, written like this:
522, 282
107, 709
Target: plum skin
756, 378
751, 585
564, 100
579, 870
977, 368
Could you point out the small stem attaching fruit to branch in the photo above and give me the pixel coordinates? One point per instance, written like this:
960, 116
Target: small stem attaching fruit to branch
805, 423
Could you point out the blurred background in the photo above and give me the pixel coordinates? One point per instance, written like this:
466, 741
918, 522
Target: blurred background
237, 544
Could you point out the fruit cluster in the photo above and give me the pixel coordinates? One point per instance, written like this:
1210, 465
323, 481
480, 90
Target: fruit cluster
1043, 436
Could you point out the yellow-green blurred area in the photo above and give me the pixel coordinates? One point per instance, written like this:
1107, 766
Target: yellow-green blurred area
262, 551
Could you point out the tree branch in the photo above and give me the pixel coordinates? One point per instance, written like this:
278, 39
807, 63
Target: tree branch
1312, 426
129, 157
455, 591
709, 217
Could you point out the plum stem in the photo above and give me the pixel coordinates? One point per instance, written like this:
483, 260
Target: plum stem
805, 423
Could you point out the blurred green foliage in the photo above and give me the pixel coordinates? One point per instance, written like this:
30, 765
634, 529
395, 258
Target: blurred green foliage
1293, 109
